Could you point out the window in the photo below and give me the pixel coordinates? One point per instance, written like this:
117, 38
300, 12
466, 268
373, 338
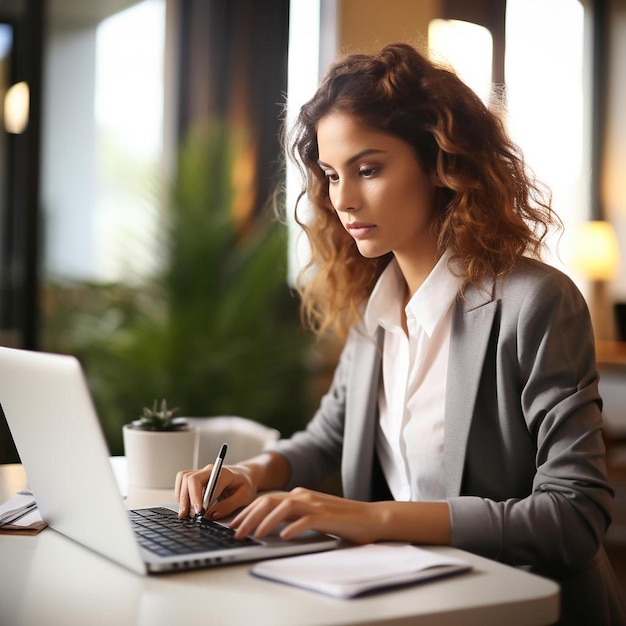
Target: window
305, 66
468, 48
103, 145
129, 98
547, 117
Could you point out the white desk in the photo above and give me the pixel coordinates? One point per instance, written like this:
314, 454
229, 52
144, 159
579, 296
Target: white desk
48, 579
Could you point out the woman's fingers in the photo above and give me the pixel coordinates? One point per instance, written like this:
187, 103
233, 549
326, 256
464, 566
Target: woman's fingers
180, 492
233, 492
301, 510
271, 510
298, 510
234, 489
271, 514
179, 483
188, 490
247, 520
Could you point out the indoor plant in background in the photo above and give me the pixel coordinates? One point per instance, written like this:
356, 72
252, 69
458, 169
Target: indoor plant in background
216, 329
157, 445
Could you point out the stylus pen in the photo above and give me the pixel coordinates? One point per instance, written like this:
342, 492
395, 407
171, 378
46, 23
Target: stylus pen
207, 498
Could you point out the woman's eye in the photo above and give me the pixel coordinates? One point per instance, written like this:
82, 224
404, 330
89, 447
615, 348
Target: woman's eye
368, 172
331, 176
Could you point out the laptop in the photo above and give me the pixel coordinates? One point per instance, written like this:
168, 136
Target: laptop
48, 407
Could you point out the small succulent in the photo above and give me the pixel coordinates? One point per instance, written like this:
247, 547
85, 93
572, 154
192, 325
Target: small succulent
159, 418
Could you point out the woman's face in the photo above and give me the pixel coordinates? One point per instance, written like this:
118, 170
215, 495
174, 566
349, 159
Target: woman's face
377, 187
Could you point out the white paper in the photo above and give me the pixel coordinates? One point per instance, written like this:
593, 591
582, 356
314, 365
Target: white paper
351, 571
17, 501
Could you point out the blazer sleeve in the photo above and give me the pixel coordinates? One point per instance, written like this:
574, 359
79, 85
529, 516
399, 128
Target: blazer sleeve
546, 376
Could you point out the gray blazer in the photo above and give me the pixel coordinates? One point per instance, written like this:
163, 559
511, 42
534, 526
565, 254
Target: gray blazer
523, 451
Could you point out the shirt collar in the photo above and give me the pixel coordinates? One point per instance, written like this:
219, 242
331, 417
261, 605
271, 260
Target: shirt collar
425, 308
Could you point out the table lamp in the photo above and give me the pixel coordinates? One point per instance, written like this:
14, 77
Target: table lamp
596, 257
16, 108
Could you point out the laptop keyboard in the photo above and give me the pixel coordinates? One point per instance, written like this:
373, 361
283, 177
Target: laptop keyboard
162, 532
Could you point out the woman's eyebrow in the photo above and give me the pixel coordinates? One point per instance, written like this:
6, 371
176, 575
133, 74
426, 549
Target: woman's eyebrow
356, 157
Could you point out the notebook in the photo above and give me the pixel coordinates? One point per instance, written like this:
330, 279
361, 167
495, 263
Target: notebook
358, 570
48, 407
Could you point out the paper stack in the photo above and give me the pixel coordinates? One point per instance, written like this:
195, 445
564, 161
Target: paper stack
20, 516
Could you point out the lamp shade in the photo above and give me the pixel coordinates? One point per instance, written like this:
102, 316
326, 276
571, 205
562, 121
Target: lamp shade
16, 108
596, 254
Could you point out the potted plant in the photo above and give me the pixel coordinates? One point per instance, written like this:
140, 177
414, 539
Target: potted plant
157, 445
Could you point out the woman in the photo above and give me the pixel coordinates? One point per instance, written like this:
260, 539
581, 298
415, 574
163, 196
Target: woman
464, 409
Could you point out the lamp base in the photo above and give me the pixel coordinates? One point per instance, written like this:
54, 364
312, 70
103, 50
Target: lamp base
602, 318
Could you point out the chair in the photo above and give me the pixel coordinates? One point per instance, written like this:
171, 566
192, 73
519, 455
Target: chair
245, 438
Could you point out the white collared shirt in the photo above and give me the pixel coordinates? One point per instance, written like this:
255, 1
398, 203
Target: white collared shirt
411, 398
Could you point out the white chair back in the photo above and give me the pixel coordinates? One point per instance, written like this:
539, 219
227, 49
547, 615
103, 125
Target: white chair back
245, 438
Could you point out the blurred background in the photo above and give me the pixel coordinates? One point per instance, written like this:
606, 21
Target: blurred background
140, 159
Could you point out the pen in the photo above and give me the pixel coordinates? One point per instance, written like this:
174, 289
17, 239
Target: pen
210, 486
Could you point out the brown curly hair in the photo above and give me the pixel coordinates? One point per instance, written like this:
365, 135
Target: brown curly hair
489, 208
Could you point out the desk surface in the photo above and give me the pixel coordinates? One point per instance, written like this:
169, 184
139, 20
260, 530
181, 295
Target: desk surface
48, 579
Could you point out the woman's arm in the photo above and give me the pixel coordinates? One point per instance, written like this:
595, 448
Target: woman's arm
358, 522
541, 437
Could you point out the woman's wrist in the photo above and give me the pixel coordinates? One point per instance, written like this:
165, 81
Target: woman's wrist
415, 522
266, 471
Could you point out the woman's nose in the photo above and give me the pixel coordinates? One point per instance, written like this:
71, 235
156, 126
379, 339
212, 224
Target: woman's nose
344, 197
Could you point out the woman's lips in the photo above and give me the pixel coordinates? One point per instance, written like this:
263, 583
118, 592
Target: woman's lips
358, 230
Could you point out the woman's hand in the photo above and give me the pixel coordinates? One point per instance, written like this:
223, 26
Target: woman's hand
235, 488
302, 509
237, 485
358, 522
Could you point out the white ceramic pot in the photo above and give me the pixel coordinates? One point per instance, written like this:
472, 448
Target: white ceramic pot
153, 458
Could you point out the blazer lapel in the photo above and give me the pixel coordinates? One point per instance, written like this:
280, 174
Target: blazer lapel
471, 328
360, 423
